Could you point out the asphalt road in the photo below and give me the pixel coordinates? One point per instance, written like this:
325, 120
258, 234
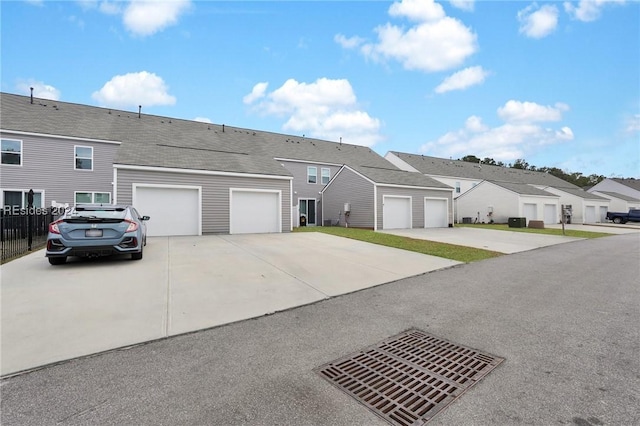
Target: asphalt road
565, 318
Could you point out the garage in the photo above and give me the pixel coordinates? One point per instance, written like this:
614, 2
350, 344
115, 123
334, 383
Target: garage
255, 211
530, 210
396, 212
590, 214
550, 214
435, 213
174, 209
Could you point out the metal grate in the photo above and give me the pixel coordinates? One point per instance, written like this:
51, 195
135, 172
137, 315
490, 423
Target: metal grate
409, 378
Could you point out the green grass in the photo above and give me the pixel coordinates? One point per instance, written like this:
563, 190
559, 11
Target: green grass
547, 231
448, 251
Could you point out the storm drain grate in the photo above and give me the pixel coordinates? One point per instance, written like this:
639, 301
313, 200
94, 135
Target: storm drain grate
407, 379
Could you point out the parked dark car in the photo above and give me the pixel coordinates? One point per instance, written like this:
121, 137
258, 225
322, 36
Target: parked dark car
617, 217
93, 230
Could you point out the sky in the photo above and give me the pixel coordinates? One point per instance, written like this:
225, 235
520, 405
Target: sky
554, 83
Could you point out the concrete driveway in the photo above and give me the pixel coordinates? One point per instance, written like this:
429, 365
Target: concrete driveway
503, 241
54, 313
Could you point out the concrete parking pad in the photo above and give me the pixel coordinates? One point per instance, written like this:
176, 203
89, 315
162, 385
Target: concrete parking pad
488, 239
54, 313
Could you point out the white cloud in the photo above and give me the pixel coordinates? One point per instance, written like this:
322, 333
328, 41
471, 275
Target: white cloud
418, 10
348, 43
202, 120
325, 109
147, 17
538, 22
466, 5
40, 89
633, 124
133, 89
516, 111
256, 93
588, 10
463, 79
435, 43
110, 7
518, 136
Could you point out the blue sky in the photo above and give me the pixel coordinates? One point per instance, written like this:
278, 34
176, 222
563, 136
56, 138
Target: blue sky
554, 83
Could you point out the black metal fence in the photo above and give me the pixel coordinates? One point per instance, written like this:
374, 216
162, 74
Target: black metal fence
23, 230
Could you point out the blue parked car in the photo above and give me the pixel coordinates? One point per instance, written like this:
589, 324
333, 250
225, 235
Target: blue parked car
93, 230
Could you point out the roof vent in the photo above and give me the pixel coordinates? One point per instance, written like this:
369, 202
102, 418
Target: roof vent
139, 110
31, 94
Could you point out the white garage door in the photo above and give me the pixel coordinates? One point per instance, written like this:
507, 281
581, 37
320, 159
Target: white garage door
174, 210
530, 211
590, 214
550, 214
396, 212
435, 213
255, 212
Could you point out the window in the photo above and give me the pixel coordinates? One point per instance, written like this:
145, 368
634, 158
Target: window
326, 176
11, 152
312, 174
84, 157
457, 187
20, 199
93, 197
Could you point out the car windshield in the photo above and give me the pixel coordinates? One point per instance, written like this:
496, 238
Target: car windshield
83, 213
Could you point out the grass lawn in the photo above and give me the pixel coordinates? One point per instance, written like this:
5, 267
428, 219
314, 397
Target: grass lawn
548, 231
448, 251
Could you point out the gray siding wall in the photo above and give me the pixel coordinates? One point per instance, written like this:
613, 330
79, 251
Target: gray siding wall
215, 193
48, 164
303, 189
349, 187
417, 201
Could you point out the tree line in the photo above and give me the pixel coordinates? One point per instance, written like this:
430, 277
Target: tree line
575, 178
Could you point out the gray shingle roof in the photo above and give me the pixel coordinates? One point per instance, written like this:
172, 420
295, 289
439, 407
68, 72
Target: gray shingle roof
631, 182
578, 192
399, 177
149, 140
620, 196
524, 189
457, 168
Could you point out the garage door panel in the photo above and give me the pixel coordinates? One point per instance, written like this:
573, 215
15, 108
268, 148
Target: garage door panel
436, 214
396, 213
173, 210
255, 212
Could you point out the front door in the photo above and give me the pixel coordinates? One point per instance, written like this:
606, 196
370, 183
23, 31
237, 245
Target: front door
308, 209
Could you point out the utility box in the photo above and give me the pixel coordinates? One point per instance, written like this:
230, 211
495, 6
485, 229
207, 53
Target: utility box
467, 220
347, 207
517, 222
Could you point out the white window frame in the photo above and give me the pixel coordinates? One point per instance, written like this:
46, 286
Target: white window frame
314, 174
323, 175
11, 152
24, 195
75, 156
93, 196
457, 187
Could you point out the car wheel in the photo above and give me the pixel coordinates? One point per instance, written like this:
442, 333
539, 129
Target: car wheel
57, 260
136, 256
617, 220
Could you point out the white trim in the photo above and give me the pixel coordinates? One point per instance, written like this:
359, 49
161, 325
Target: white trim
314, 175
93, 196
198, 172
424, 207
75, 156
72, 138
273, 191
291, 218
322, 169
410, 207
24, 191
10, 152
308, 162
375, 208
430, 188
135, 186
115, 186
